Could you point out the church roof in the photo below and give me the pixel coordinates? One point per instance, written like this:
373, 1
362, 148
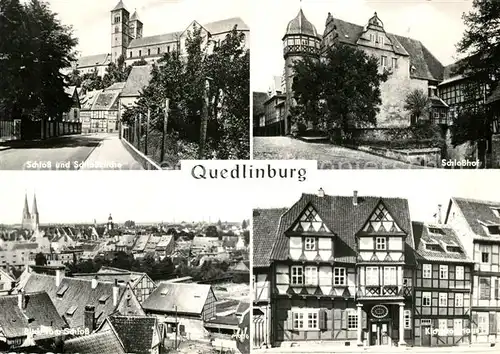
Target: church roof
301, 25
135, 16
93, 60
119, 6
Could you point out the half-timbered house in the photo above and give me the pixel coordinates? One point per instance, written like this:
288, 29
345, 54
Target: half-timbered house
442, 287
478, 225
342, 270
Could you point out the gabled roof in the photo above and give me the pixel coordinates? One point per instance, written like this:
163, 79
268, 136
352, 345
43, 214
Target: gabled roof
477, 212
137, 80
345, 220
226, 25
425, 64
426, 234
187, 298
93, 60
95, 343
106, 101
135, 332
75, 292
39, 311
265, 226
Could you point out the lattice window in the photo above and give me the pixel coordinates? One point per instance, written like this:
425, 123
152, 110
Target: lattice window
339, 276
407, 319
298, 320
426, 299
390, 276
352, 321
443, 272
459, 300
381, 221
310, 244
312, 320
459, 272
311, 275
372, 276
297, 275
381, 243
427, 271
484, 289
443, 299
310, 222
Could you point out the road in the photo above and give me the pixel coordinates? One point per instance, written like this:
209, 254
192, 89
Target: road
328, 156
61, 153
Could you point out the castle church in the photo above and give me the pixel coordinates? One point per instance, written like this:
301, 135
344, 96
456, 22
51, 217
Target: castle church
127, 40
30, 220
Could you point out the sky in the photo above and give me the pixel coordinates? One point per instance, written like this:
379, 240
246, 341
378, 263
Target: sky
437, 23
81, 197
91, 19
424, 189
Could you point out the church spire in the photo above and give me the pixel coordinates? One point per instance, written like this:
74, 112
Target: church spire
34, 216
26, 209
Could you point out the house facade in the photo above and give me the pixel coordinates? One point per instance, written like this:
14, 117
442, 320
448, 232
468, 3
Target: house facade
357, 271
478, 225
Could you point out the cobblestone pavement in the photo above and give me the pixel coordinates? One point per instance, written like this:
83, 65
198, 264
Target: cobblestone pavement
328, 156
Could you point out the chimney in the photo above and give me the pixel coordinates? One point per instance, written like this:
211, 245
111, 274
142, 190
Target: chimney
355, 198
94, 282
21, 300
89, 318
321, 193
59, 276
116, 290
439, 214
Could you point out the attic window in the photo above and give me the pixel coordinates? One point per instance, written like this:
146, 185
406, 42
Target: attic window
494, 229
433, 247
61, 291
496, 211
164, 292
71, 310
436, 230
102, 299
453, 249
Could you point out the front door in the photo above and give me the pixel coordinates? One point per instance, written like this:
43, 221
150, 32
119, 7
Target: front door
379, 333
426, 335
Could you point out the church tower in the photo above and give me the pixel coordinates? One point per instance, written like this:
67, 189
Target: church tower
120, 33
135, 26
35, 218
26, 220
110, 225
300, 40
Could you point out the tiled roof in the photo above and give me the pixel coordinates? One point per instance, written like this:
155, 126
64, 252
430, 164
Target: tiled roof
95, 343
187, 298
75, 292
141, 243
441, 236
154, 40
39, 311
135, 332
345, 220
164, 241
105, 101
205, 242
226, 25
265, 226
93, 60
425, 64
477, 211
137, 80
301, 25
258, 103
116, 86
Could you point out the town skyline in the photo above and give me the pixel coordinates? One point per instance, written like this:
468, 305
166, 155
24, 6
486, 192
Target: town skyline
91, 22
92, 196
405, 18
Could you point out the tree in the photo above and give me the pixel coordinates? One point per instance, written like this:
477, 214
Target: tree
35, 46
418, 104
342, 91
244, 224
74, 78
116, 72
139, 62
91, 81
129, 223
481, 66
40, 259
211, 231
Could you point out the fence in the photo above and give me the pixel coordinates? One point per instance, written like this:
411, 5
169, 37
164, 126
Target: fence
31, 130
10, 130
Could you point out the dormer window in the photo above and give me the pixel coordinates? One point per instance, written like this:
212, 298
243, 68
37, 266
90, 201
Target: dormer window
310, 244
380, 243
436, 230
494, 229
496, 211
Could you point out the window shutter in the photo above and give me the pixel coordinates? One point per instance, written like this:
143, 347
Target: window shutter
289, 320
344, 319
364, 319
322, 319
493, 323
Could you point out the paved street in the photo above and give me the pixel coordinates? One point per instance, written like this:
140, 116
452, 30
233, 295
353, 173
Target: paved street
323, 348
328, 156
90, 151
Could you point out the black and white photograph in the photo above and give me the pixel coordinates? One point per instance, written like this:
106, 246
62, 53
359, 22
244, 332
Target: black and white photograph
123, 84
363, 262
377, 84
145, 268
